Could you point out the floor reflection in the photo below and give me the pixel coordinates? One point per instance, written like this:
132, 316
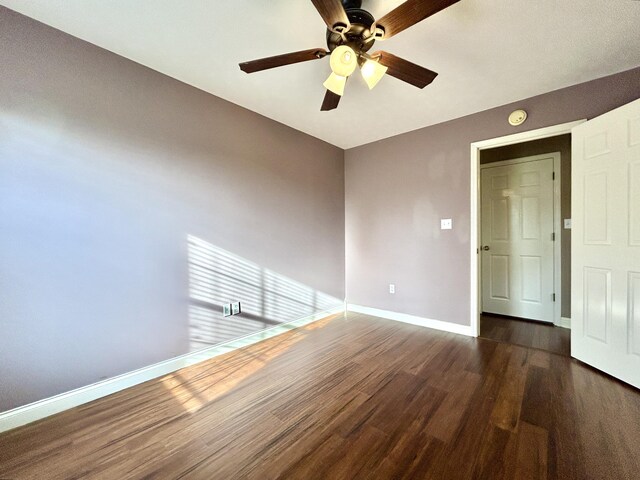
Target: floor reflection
197, 386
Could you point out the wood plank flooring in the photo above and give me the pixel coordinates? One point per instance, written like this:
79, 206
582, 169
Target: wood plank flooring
526, 333
348, 398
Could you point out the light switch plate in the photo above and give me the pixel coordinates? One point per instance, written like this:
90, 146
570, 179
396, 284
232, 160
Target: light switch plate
226, 310
446, 224
567, 223
235, 308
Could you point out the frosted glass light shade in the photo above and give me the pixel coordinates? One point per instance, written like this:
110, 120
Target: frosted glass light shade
335, 83
343, 61
372, 72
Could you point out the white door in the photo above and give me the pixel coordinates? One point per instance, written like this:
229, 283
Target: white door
517, 225
605, 244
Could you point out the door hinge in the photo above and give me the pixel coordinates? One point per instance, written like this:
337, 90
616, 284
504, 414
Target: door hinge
553, 237
553, 296
553, 175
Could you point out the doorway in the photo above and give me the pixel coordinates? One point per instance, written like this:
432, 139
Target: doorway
522, 275
605, 259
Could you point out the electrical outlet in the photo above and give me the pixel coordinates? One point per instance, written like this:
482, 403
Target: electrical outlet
235, 308
226, 310
392, 288
446, 224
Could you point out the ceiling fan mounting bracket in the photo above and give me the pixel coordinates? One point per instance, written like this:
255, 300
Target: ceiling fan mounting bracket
349, 4
359, 33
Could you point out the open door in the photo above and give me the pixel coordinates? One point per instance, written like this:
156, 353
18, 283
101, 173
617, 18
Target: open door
605, 243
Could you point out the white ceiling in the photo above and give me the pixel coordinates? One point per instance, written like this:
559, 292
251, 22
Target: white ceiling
487, 52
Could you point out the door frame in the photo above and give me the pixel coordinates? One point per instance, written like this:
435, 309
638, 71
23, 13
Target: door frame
557, 225
474, 189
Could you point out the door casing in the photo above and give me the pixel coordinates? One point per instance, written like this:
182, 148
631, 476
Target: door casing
474, 188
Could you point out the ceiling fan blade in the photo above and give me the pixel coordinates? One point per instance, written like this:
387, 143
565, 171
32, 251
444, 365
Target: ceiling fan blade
332, 12
280, 60
405, 70
409, 13
330, 101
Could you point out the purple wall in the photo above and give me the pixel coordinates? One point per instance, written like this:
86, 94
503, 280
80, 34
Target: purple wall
106, 167
397, 190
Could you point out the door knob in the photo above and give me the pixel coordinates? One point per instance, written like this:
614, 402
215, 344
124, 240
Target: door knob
485, 248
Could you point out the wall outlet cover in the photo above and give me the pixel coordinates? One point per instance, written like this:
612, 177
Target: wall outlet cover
392, 288
567, 223
446, 224
226, 310
235, 308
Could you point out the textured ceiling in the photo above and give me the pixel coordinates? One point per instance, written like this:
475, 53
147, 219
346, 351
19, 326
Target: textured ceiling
487, 52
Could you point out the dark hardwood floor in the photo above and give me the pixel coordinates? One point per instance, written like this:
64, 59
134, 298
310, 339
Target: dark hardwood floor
348, 398
526, 333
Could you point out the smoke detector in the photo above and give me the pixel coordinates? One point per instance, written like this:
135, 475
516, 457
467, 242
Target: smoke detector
517, 118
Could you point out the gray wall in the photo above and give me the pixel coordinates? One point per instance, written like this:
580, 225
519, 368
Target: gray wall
562, 144
397, 189
131, 205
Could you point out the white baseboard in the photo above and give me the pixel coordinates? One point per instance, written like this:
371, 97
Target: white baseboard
50, 406
412, 319
564, 323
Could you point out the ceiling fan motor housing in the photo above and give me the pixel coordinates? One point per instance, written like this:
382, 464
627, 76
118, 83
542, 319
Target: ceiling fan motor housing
361, 22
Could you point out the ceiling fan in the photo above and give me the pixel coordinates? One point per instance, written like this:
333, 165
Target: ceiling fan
351, 32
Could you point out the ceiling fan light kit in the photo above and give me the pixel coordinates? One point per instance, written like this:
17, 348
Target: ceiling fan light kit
351, 32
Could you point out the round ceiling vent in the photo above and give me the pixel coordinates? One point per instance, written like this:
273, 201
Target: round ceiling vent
517, 118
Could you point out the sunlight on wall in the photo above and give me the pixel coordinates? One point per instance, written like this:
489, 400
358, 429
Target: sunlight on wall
269, 301
217, 276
